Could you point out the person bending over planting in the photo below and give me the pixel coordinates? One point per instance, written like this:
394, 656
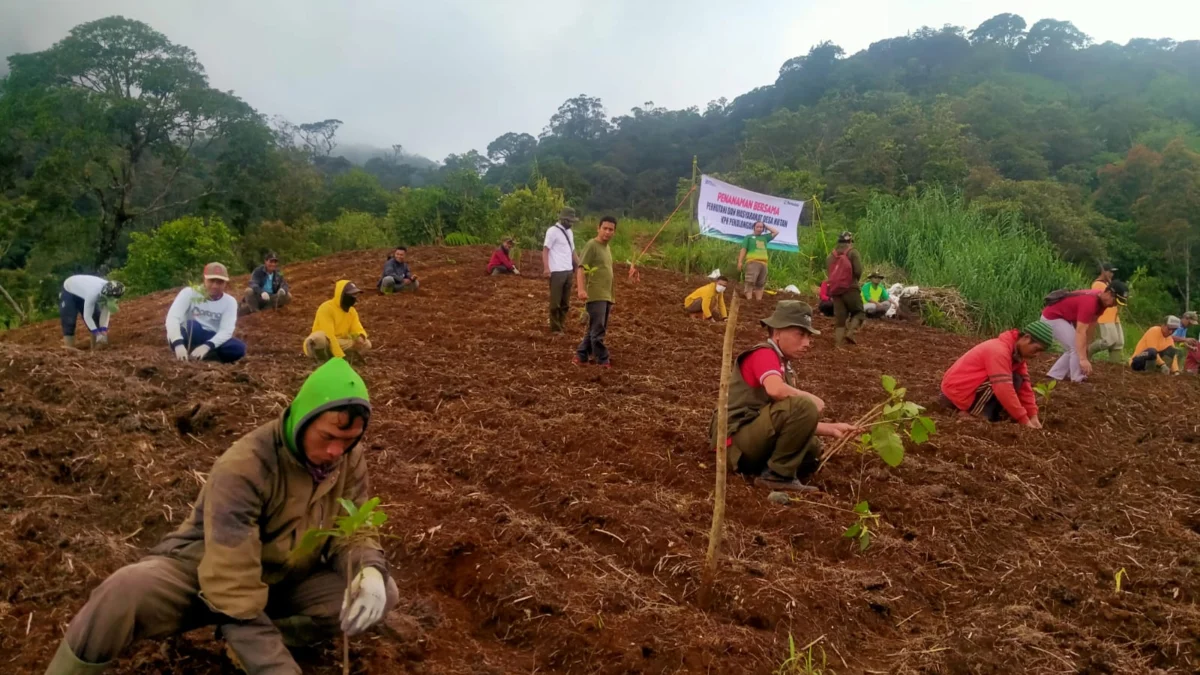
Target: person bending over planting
200, 325
92, 297
336, 328
1069, 314
992, 379
775, 428
753, 257
396, 274
1156, 349
876, 301
594, 280
700, 303
235, 562
268, 289
844, 267
500, 262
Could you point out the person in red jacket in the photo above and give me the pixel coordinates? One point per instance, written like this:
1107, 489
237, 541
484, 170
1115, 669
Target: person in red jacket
500, 262
992, 379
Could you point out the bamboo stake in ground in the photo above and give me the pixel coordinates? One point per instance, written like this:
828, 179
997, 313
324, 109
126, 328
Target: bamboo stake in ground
718, 521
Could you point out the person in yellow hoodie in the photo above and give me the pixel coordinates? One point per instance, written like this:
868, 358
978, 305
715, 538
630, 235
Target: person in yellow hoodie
336, 328
700, 303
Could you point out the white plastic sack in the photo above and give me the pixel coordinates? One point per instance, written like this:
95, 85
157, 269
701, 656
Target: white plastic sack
791, 288
715, 273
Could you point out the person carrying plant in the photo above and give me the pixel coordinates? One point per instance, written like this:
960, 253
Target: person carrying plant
844, 267
774, 428
753, 257
559, 261
267, 289
237, 563
336, 328
1157, 347
876, 301
594, 279
200, 325
500, 262
92, 297
992, 379
396, 274
1111, 335
1069, 314
700, 302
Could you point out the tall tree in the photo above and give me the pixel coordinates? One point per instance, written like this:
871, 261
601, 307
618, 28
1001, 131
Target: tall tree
511, 148
1005, 30
581, 118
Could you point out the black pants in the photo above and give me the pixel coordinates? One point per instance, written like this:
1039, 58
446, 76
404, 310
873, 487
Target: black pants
593, 342
70, 308
826, 307
986, 404
1148, 358
561, 284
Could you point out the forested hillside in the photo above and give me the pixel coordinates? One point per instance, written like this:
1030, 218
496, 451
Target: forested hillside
115, 131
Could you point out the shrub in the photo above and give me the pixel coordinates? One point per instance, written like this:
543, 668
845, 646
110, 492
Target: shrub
175, 253
351, 232
526, 213
292, 243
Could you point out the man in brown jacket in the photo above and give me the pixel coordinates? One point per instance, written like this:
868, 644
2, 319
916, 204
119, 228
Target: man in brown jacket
236, 562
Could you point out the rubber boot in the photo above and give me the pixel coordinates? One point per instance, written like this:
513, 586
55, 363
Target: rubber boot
69, 341
839, 337
852, 328
66, 663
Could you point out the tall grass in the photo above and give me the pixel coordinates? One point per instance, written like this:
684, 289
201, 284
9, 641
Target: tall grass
1002, 268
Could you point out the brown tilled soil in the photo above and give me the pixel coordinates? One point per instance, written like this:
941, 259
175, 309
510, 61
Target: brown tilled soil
553, 518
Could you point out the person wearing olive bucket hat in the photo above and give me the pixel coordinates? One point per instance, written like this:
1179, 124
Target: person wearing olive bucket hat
775, 428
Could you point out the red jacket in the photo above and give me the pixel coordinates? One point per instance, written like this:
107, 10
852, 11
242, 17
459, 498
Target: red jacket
824, 291
500, 259
992, 361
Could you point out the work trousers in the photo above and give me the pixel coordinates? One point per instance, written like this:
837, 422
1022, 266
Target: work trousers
1148, 359
392, 284
782, 438
592, 344
317, 346
497, 271
254, 303
1111, 339
877, 309
848, 310
195, 335
160, 596
70, 308
1068, 363
561, 285
987, 406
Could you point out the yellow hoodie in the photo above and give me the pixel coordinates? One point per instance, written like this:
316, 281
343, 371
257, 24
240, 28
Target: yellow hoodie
336, 323
706, 294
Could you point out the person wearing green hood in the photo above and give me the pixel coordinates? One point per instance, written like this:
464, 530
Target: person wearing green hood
235, 562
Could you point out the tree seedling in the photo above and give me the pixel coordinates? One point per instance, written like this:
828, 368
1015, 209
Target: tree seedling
1121, 574
860, 529
1044, 390
886, 422
801, 661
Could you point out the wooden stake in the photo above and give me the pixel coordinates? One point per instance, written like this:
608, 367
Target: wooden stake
718, 521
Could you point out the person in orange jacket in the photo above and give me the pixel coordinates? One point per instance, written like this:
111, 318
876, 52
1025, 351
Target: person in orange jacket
336, 328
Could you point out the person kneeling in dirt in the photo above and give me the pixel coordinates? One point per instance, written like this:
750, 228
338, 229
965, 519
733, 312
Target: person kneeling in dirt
267, 290
396, 274
826, 302
336, 328
774, 428
699, 304
236, 562
200, 325
1157, 348
876, 301
992, 379
94, 298
500, 262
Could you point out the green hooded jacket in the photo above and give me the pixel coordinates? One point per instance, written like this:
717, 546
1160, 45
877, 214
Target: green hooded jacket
260, 499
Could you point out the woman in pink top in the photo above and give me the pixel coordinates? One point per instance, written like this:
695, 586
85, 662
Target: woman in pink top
1069, 316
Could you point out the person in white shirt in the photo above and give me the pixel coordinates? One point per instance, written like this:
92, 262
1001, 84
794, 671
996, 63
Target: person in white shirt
94, 298
200, 325
559, 261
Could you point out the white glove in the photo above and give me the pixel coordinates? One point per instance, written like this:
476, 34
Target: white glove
364, 602
200, 352
266, 297
181, 352
515, 270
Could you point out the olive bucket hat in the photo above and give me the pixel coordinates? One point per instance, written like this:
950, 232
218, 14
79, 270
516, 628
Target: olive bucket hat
789, 313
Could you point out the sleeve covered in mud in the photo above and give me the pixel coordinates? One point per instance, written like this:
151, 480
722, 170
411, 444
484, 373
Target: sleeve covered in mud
231, 570
365, 552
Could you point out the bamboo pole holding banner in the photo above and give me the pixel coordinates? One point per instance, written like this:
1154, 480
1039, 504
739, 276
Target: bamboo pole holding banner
718, 521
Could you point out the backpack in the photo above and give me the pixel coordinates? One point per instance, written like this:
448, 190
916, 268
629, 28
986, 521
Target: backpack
1055, 297
841, 274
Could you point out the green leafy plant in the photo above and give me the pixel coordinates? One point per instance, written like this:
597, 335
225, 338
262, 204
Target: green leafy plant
175, 253
860, 529
802, 661
462, 239
886, 422
1044, 390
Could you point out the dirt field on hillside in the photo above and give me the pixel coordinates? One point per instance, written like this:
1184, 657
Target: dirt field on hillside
549, 518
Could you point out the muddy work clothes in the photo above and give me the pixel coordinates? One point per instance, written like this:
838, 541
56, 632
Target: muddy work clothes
71, 307
782, 438
848, 309
254, 302
561, 285
593, 342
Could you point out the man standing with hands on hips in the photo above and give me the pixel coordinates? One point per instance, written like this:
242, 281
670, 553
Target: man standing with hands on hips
559, 261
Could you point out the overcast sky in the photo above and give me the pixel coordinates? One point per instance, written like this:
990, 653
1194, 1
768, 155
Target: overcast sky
441, 76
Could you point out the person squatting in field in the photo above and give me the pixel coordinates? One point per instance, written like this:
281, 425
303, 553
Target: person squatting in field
559, 261
336, 328
268, 289
753, 257
992, 379
92, 297
500, 262
1069, 314
235, 562
699, 303
396, 274
774, 428
200, 325
1157, 348
594, 277
876, 301
845, 268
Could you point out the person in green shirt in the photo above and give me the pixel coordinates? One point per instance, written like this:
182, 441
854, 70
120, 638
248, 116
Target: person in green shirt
876, 301
753, 257
594, 279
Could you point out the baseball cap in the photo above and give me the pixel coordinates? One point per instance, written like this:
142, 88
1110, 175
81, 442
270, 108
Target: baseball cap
1120, 291
789, 313
1173, 322
215, 270
1191, 316
351, 289
846, 237
1107, 267
271, 256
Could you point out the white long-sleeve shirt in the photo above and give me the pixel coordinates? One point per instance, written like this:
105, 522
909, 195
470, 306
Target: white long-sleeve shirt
218, 316
88, 288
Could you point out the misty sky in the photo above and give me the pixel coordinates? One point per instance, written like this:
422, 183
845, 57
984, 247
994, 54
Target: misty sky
444, 76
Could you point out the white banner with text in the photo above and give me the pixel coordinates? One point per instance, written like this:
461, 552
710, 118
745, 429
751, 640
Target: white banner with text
729, 212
